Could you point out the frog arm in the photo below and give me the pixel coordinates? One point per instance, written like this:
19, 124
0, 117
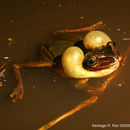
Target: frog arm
19, 90
81, 84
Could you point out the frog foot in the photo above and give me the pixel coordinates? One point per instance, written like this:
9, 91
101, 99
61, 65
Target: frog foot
17, 93
81, 84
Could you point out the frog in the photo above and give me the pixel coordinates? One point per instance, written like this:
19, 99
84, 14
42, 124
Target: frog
92, 56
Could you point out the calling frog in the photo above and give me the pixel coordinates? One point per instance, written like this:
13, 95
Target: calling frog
91, 56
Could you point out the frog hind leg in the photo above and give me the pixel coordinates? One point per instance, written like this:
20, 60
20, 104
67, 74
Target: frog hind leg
74, 34
83, 104
84, 29
94, 97
45, 53
96, 91
19, 90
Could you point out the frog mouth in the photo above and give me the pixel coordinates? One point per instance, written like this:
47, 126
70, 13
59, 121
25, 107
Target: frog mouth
105, 63
103, 58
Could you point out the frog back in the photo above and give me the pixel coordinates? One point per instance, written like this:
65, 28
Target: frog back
56, 48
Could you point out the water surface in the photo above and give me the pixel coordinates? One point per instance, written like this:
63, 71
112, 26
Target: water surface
47, 95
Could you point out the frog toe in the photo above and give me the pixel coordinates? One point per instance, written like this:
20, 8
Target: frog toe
17, 94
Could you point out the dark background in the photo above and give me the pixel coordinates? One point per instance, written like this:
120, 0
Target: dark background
47, 95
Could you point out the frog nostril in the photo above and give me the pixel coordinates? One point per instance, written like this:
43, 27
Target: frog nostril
113, 43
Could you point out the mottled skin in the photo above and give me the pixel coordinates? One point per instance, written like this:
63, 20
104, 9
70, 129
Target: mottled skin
55, 48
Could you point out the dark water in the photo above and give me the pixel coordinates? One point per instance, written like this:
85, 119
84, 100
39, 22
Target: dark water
47, 95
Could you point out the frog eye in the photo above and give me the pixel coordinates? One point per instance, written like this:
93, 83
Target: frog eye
91, 61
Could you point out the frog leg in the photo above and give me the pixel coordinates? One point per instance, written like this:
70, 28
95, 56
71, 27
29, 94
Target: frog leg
125, 56
46, 54
19, 90
89, 28
96, 91
2, 72
83, 104
71, 35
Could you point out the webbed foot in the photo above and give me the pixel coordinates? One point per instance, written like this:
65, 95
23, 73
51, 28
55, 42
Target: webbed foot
17, 93
19, 90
